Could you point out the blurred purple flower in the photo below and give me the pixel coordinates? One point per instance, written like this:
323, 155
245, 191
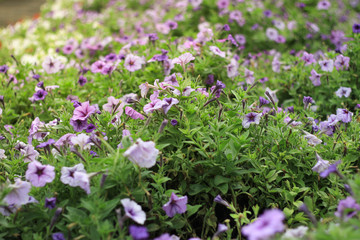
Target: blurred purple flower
175, 205
40, 95
142, 153
39, 174
133, 211
347, 208
50, 203
138, 232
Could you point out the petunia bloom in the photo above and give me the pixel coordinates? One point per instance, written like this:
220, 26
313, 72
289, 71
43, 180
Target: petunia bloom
133, 63
183, 59
321, 164
266, 226
327, 65
133, 211
83, 111
175, 205
343, 92
39, 174
347, 208
138, 232
51, 65
19, 193
315, 78
133, 114
142, 153
344, 115
251, 118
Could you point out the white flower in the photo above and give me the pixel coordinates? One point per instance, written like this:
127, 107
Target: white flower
2, 154
321, 164
295, 233
67, 174
142, 153
133, 211
82, 140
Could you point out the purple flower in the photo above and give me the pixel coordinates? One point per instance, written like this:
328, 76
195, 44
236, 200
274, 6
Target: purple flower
266, 226
51, 65
91, 127
218, 199
347, 208
307, 100
263, 101
217, 51
226, 27
341, 62
111, 57
133, 114
344, 115
82, 180
78, 125
343, 92
98, 66
355, 28
321, 164
39, 174
174, 122
183, 59
327, 65
83, 111
142, 153
251, 118
133, 211
4, 68
331, 169
82, 80
315, 78
323, 5
58, 236
312, 139
29, 153
50, 203
171, 24
168, 102
221, 228
308, 58
267, 13
40, 95
175, 205
133, 63
67, 174
138, 232
45, 144
19, 193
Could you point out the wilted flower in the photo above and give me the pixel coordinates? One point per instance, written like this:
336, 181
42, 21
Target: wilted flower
347, 208
133, 114
321, 164
175, 205
266, 226
142, 153
218, 199
312, 139
331, 169
39, 174
133, 211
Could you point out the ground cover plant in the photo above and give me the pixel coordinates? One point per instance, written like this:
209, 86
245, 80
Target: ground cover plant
193, 119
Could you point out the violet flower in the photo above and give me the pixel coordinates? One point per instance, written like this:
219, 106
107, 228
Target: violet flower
4, 68
347, 208
78, 125
331, 169
263, 101
133, 210
19, 193
218, 199
307, 100
356, 28
183, 59
321, 164
344, 115
40, 95
175, 205
39, 174
82, 80
83, 111
67, 174
51, 65
133, 114
217, 51
315, 78
58, 236
327, 65
133, 63
251, 118
138, 232
29, 153
50, 203
343, 92
341, 62
266, 226
142, 153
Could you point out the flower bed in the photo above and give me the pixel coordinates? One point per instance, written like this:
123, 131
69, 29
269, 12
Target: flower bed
181, 120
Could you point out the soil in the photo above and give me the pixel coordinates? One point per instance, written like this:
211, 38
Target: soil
12, 11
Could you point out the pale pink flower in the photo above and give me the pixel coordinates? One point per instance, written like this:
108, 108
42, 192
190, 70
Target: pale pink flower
142, 153
183, 59
133, 114
133, 63
19, 193
51, 65
217, 51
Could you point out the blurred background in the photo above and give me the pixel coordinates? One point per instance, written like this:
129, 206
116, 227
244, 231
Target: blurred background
12, 11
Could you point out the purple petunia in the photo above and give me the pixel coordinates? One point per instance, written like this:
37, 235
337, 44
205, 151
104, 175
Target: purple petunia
175, 205
138, 232
315, 78
39, 174
347, 208
266, 226
50, 203
331, 169
83, 111
133, 211
344, 115
356, 28
343, 92
133, 114
40, 95
327, 65
321, 164
19, 193
67, 174
251, 118
142, 153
